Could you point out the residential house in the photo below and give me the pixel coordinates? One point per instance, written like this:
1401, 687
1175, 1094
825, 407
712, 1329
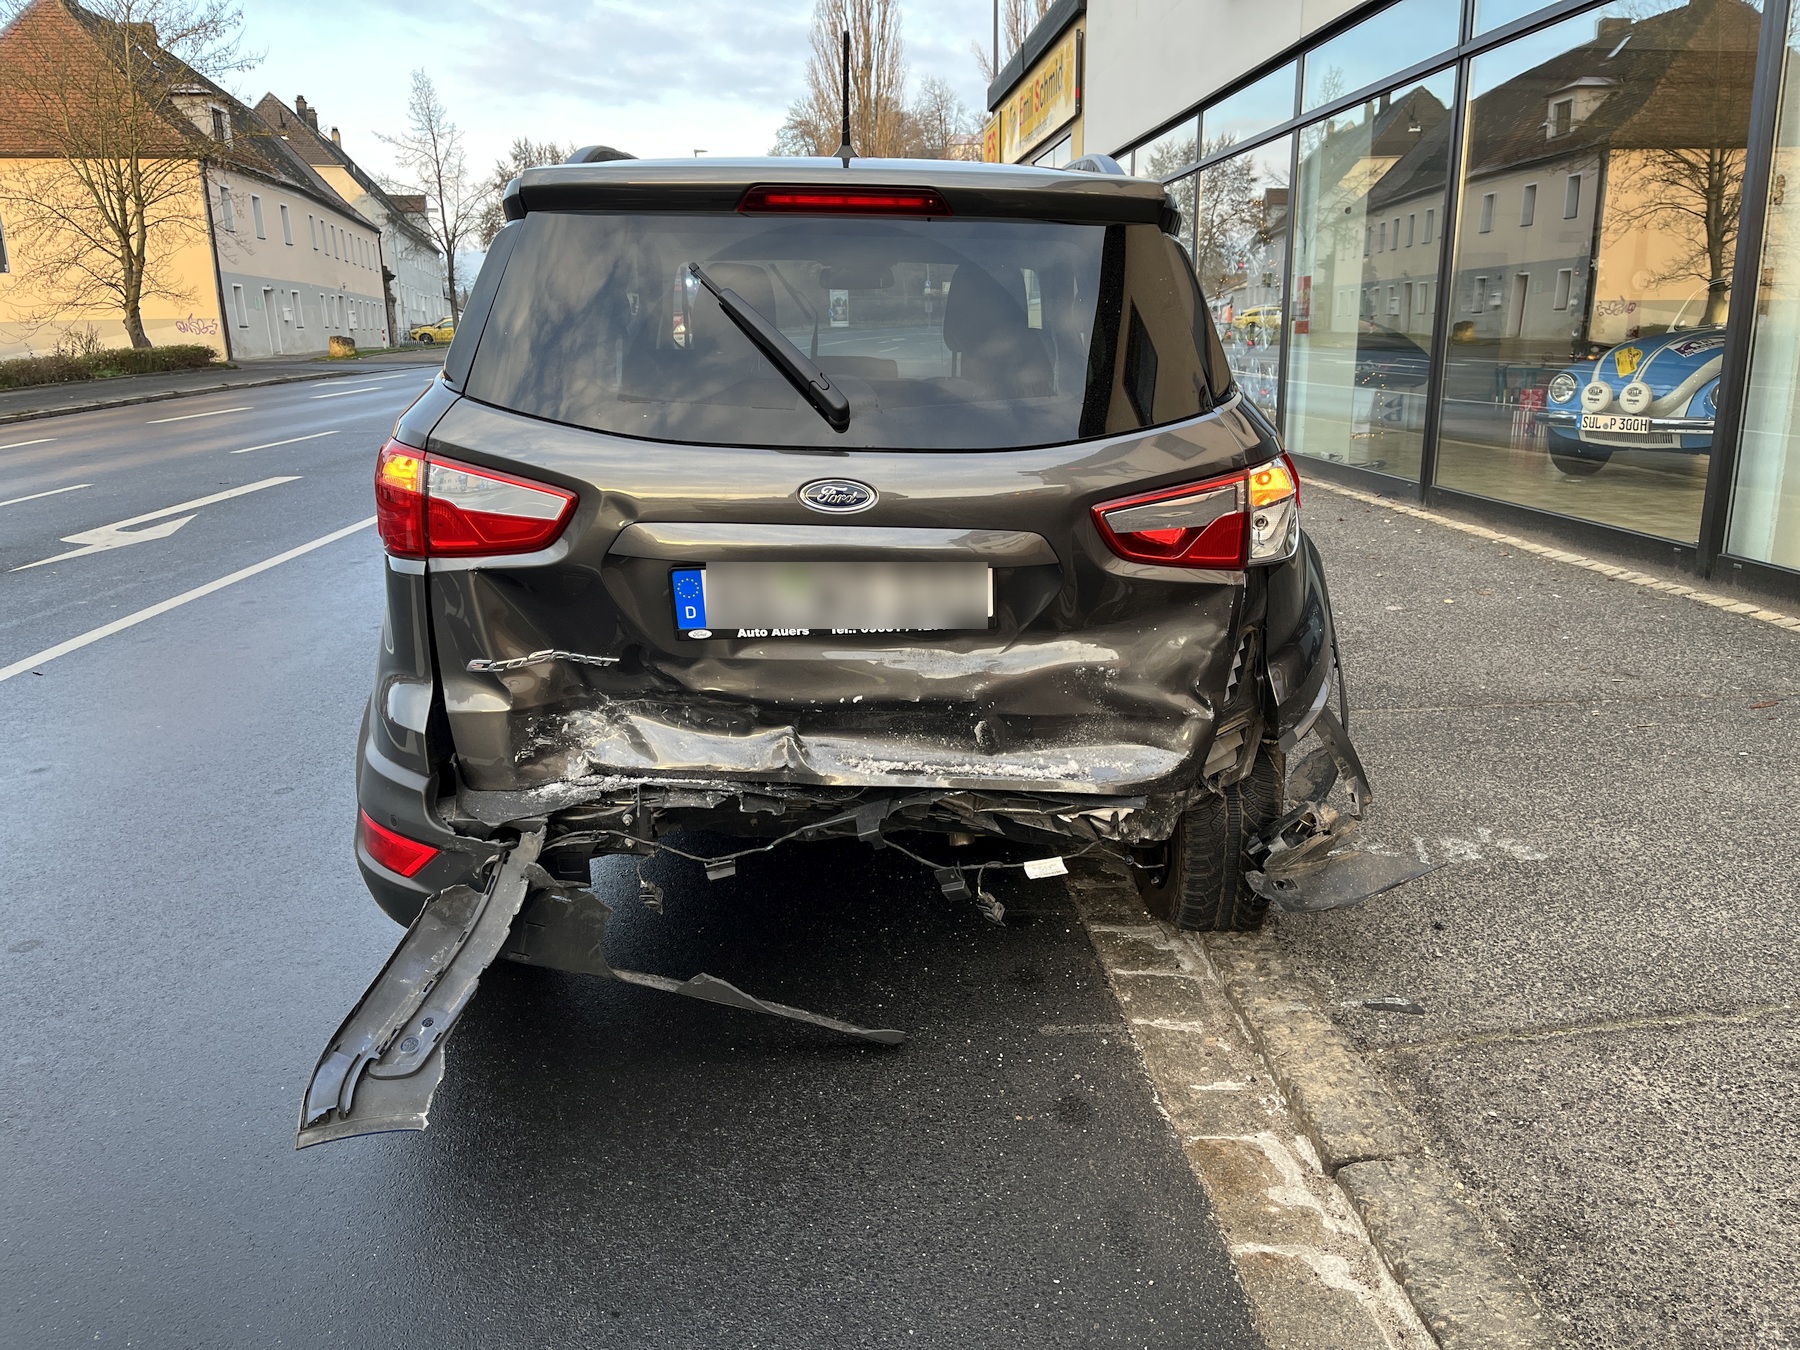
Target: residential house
251, 250
416, 291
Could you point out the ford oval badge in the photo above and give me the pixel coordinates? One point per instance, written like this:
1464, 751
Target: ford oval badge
840, 496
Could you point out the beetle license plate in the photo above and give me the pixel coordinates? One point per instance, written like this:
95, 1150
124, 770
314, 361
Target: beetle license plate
797, 599
1615, 424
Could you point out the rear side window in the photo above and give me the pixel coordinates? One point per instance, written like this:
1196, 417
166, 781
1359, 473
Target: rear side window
944, 334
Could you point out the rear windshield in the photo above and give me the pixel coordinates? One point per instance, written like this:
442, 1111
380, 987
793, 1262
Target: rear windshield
944, 334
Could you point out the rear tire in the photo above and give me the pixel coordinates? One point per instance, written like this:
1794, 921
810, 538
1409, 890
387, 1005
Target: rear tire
1196, 880
427, 339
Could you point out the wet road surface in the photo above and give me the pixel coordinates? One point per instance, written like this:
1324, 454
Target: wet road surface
606, 1165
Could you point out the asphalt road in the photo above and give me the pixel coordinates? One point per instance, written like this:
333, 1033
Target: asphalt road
184, 927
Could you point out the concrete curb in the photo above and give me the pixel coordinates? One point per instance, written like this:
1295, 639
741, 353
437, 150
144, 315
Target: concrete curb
225, 387
1729, 604
1458, 1276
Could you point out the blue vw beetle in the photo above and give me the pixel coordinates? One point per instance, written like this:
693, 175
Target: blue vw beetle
1653, 393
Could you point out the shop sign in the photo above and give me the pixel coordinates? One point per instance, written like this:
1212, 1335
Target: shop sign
1048, 97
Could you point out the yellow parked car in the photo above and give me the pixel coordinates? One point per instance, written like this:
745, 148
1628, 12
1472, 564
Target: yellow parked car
1258, 319
441, 331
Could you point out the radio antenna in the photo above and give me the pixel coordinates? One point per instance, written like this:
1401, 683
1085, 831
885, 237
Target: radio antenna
844, 152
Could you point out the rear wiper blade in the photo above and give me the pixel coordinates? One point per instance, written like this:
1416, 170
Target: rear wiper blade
814, 385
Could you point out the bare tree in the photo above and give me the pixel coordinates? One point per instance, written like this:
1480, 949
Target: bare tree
937, 119
524, 154
878, 116
117, 99
1017, 18
430, 154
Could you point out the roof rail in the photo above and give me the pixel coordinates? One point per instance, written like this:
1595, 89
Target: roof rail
597, 154
1097, 164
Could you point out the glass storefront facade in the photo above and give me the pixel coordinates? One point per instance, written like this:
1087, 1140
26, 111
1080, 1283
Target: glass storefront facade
1503, 268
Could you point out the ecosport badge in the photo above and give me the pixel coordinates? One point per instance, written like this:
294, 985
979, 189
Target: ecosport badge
839, 496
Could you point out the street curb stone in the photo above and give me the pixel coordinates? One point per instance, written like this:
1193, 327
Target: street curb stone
225, 387
1465, 1288
1460, 1279
1730, 604
1349, 1114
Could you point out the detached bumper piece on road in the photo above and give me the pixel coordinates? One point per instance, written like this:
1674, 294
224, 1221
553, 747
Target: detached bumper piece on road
383, 1066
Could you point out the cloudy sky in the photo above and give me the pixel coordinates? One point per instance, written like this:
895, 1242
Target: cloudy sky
655, 77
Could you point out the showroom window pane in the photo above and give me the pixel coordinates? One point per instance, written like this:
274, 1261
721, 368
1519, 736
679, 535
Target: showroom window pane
1240, 246
1360, 326
1400, 36
1585, 347
1252, 110
1765, 505
1165, 154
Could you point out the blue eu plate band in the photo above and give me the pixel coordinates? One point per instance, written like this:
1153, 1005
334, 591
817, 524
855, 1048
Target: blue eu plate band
689, 584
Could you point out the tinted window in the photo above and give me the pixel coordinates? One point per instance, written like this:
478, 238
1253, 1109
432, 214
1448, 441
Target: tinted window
943, 334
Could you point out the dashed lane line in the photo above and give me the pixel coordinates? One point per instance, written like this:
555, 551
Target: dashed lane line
73, 487
18, 445
292, 440
188, 417
94, 635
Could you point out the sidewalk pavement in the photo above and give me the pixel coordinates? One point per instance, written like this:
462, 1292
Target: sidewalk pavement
1606, 960
49, 400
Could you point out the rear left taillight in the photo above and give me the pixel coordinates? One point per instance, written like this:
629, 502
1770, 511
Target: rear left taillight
1231, 522
393, 851
427, 506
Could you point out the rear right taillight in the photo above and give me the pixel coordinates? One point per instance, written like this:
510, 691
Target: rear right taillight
427, 506
1231, 522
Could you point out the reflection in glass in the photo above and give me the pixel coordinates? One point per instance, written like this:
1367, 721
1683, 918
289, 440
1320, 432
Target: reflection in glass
1252, 110
1598, 225
1240, 246
1366, 249
1765, 506
1172, 150
1399, 36
1181, 192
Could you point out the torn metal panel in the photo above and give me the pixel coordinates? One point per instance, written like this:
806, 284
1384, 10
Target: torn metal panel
1342, 880
564, 928
381, 1068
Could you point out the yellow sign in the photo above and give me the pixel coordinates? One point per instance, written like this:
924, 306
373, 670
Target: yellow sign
1627, 360
1048, 97
990, 141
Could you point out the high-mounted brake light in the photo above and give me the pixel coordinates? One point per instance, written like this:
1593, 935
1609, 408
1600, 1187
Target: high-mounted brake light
1231, 522
393, 851
846, 201
427, 506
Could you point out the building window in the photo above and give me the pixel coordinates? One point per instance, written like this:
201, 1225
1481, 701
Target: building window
1565, 283
227, 212
221, 126
312, 230
1381, 238
256, 215
1562, 117
237, 303
1479, 302
1393, 300
287, 226
1423, 297
1368, 240
1412, 221
1528, 206
1487, 213
299, 312
1572, 197
1430, 224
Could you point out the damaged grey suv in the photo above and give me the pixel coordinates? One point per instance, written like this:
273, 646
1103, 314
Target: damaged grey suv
790, 499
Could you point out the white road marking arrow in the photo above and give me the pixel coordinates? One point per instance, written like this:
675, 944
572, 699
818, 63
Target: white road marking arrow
119, 534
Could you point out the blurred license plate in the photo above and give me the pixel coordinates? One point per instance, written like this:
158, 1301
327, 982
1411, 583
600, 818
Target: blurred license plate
795, 599
1614, 423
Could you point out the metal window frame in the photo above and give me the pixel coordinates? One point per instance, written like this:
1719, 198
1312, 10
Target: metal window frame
1746, 288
